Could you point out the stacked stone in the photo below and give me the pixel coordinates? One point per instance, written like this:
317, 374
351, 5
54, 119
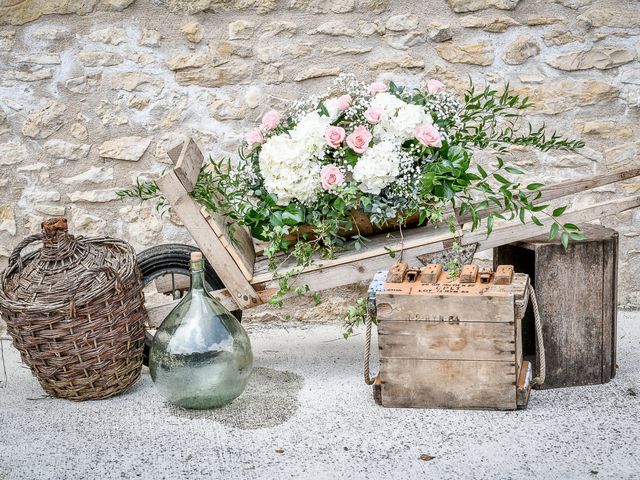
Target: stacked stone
93, 93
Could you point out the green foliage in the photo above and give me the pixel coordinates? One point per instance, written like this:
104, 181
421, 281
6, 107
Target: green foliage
490, 120
356, 315
146, 191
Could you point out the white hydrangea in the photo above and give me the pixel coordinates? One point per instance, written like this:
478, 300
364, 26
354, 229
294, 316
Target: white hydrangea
403, 123
331, 105
387, 104
289, 170
377, 167
309, 132
408, 118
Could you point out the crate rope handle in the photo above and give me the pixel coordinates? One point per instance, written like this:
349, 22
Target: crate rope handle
541, 363
371, 313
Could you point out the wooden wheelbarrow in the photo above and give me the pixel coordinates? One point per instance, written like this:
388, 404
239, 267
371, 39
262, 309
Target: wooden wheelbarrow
249, 283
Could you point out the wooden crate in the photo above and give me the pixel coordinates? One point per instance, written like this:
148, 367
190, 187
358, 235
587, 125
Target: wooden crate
450, 343
576, 292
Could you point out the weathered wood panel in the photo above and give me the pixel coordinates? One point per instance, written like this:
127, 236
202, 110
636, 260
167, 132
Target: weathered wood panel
238, 243
576, 292
569, 288
523, 387
518, 341
187, 163
448, 384
609, 306
167, 284
451, 309
446, 341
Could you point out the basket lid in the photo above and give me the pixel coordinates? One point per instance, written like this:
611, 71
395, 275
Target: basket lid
67, 269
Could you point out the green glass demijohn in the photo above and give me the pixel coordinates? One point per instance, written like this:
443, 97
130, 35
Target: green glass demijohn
201, 356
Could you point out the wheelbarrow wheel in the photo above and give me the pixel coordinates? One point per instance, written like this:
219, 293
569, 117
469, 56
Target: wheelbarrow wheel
173, 258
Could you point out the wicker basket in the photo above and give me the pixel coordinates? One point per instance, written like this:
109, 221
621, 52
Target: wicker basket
75, 311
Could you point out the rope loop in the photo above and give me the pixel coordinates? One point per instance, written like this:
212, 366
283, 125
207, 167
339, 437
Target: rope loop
368, 319
541, 363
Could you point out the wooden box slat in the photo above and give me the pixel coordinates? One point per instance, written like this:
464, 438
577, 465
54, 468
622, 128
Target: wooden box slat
454, 308
239, 245
448, 383
446, 341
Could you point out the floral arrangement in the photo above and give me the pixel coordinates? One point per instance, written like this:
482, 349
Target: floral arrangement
394, 156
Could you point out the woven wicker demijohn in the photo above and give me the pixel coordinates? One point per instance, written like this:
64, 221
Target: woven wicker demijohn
75, 311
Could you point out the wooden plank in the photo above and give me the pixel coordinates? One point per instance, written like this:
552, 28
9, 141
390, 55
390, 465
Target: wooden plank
174, 153
446, 341
239, 244
189, 213
445, 308
188, 164
158, 313
377, 391
523, 387
165, 284
569, 292
517, 332
356, 266
448, 384
563, 189
610, 307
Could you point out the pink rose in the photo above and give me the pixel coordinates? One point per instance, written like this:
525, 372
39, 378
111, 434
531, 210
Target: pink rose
270, 120
330, 175
378, 87
359, 139
435, 86
334, 136
254, 136
372, 115
428, 135
344, 102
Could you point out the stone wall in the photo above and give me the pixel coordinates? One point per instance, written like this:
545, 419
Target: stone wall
93, 92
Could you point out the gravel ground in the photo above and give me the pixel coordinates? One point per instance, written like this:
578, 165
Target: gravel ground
307, 414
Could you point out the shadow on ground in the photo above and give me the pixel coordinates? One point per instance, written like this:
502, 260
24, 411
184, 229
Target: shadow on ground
271, 399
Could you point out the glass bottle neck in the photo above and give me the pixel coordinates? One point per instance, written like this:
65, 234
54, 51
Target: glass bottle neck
197, 276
